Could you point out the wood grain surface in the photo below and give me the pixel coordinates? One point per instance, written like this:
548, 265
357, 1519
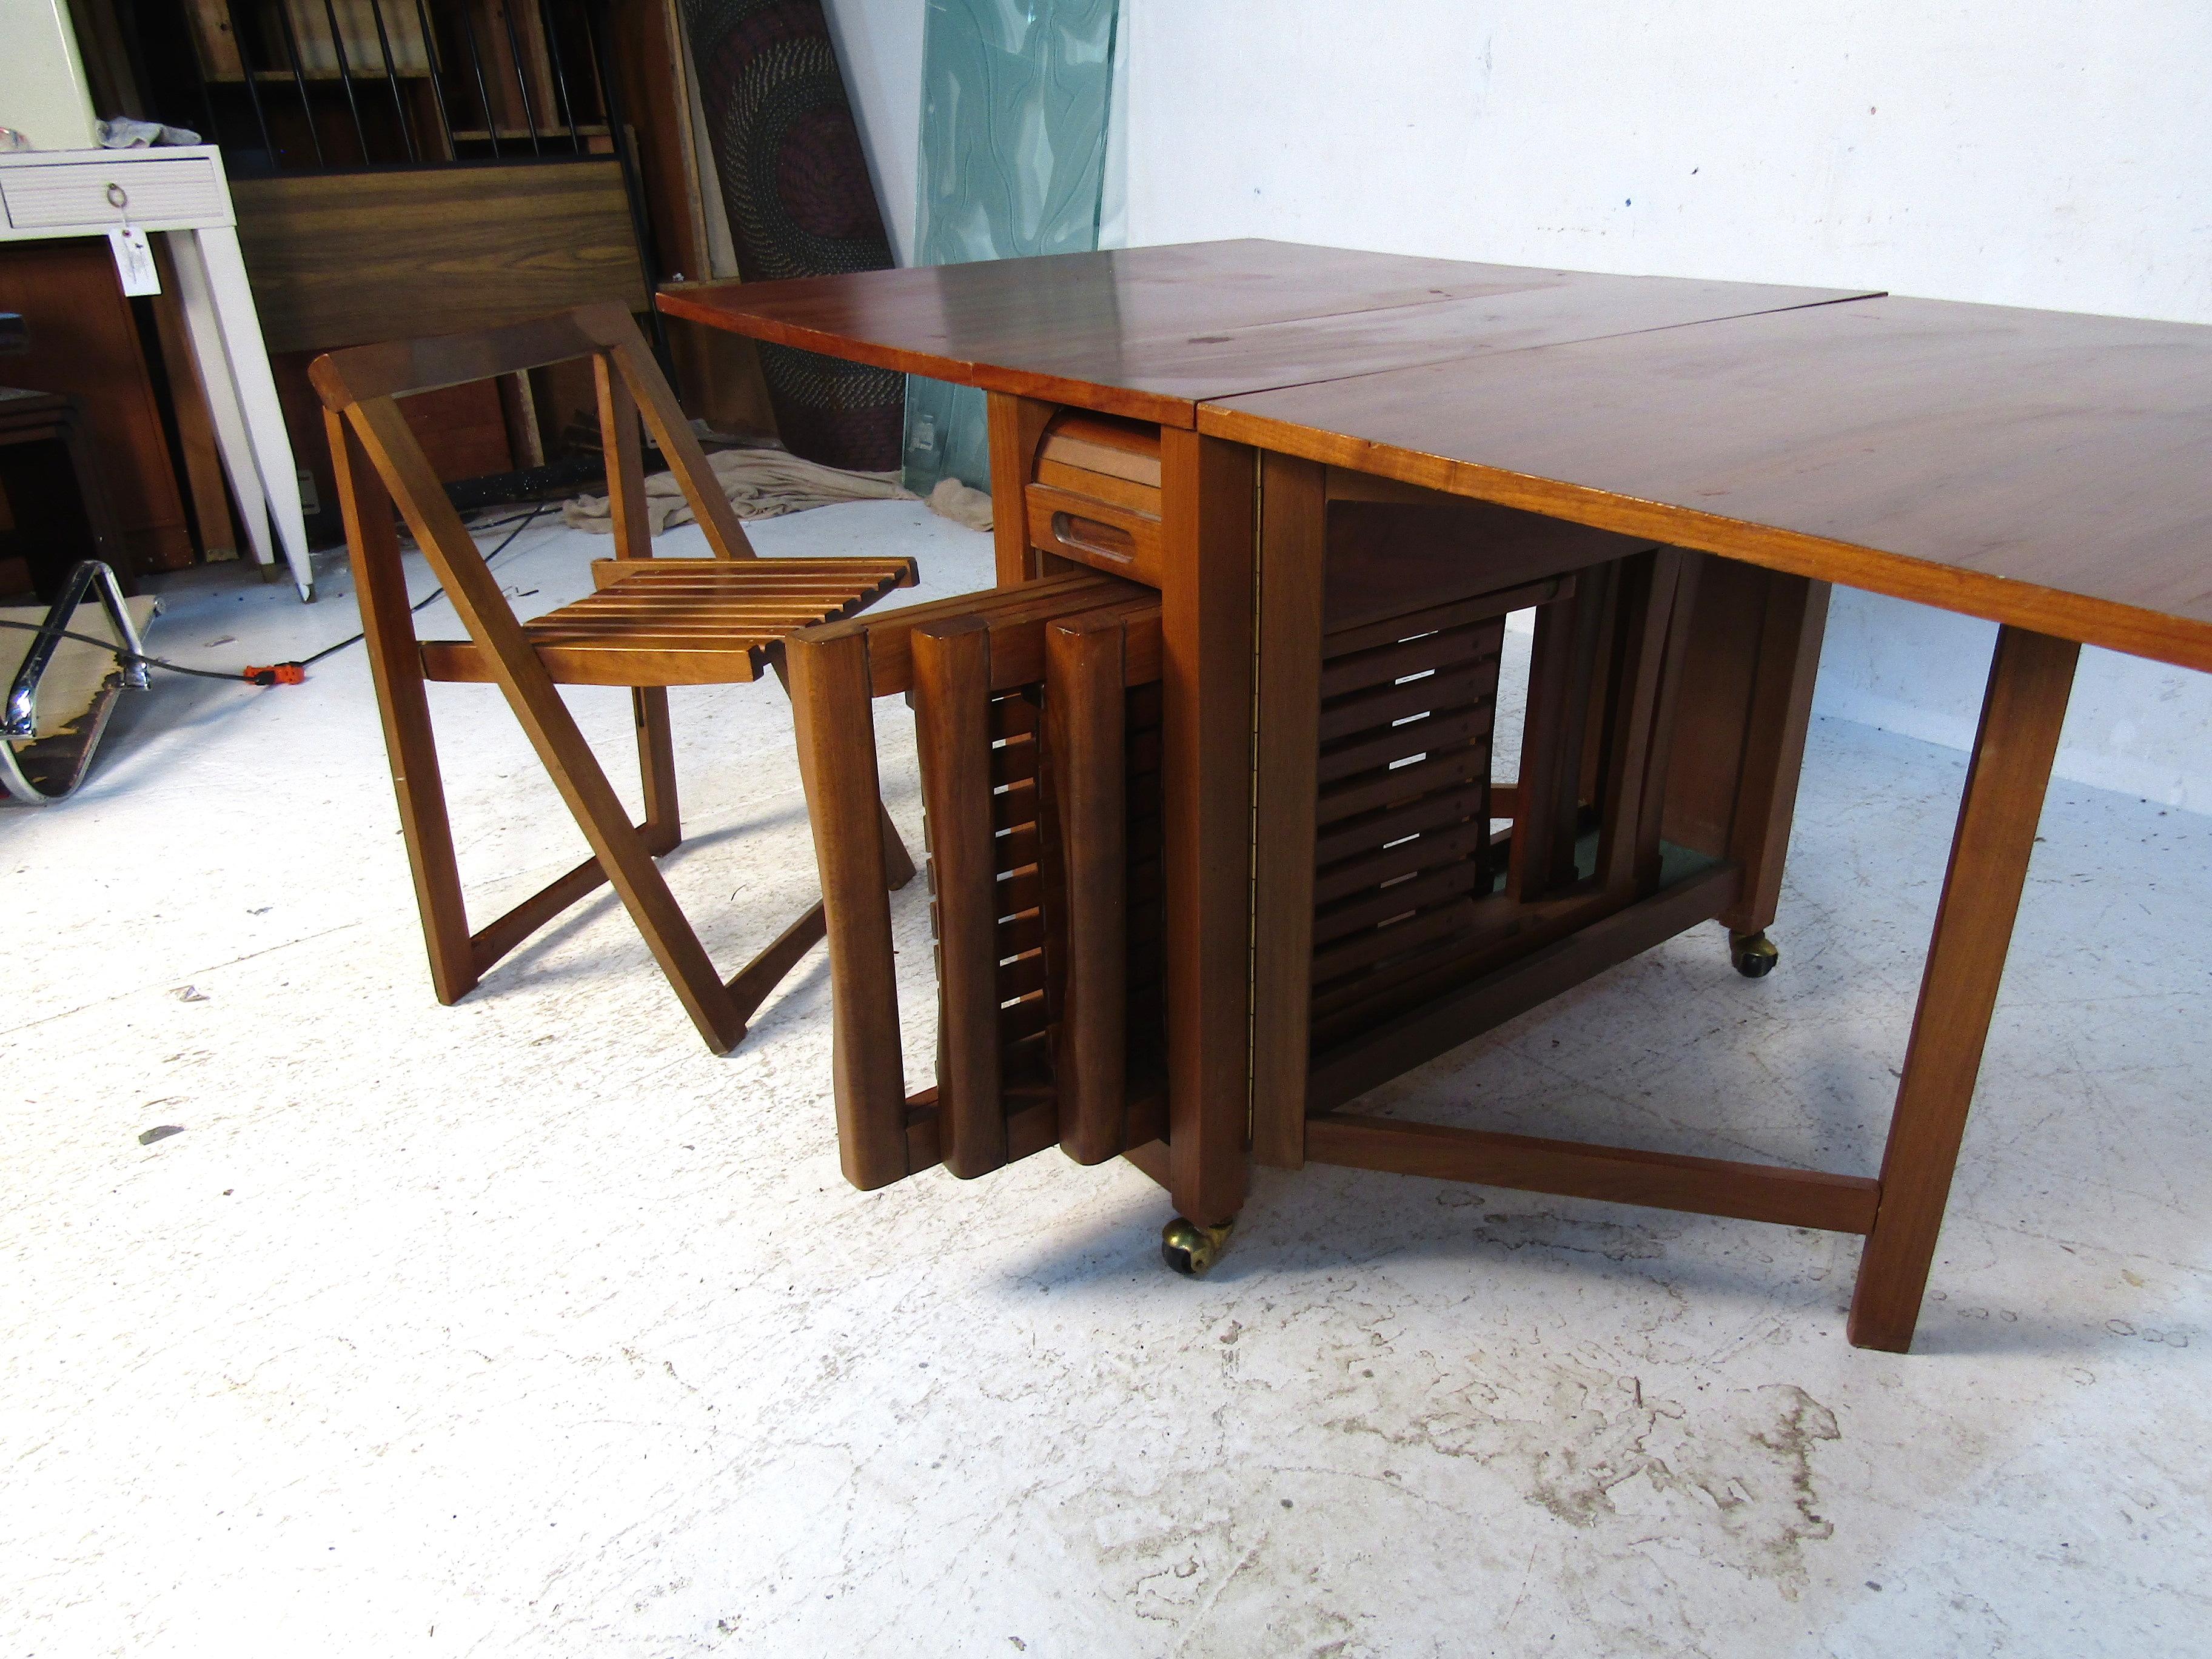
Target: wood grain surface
1618, 1175
2036, 468
84, 342
342, 259
1206, 769
2041, 470
1151, 332
2031, 678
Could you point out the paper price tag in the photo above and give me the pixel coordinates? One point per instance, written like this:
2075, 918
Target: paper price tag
134, 261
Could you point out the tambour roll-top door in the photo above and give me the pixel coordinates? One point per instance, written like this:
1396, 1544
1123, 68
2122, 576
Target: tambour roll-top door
1095, 495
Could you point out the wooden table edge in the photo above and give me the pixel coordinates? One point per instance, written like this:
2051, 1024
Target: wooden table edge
2107, 624
1047, 388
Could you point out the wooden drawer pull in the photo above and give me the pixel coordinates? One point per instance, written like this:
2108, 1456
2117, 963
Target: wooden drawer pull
1104, 541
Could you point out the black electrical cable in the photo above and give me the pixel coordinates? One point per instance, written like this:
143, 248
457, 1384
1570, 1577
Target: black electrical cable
49, 631
53, 633
521, 523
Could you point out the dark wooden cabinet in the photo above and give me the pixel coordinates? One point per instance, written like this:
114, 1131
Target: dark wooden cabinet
84, 340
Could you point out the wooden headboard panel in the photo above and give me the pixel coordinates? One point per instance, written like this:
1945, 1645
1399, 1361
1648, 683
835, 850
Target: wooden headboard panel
346, 259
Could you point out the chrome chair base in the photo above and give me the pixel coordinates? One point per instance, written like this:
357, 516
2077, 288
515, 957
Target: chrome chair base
19, 724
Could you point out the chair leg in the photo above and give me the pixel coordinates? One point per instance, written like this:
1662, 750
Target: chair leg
656, 765
429, 832
626, 856
395, 665
624, 852
752, 983
898, 863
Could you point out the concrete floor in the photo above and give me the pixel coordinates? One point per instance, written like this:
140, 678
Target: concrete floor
525, 1327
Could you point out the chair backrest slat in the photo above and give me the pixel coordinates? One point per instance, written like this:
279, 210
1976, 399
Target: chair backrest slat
399, 368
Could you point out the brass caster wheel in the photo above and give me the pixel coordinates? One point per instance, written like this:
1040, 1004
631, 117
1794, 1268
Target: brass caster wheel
1754, 954
1189, 1248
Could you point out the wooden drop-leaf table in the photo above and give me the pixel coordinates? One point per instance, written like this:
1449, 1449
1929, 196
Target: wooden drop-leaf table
1338, 471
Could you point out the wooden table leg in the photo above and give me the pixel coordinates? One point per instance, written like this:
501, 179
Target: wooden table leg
1205, 777
1788, 662
1293, 558
2029, 681
1015, 425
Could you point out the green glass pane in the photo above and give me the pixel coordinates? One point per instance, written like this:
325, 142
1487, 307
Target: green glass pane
1015, 96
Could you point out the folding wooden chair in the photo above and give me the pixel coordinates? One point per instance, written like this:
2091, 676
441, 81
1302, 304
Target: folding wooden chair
650, 624
1036, 715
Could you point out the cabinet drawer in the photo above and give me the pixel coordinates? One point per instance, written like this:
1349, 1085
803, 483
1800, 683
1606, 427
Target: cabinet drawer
185, 191
1096, 533
1095, 495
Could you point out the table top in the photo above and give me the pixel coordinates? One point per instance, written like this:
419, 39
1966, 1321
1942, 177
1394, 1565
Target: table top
1153, 332
2040, 469
2032, 467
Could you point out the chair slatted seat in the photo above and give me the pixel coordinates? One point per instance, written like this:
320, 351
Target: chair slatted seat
655, 623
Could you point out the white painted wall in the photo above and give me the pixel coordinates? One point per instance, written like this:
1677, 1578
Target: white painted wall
879, 48
43, 95
2027, 153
